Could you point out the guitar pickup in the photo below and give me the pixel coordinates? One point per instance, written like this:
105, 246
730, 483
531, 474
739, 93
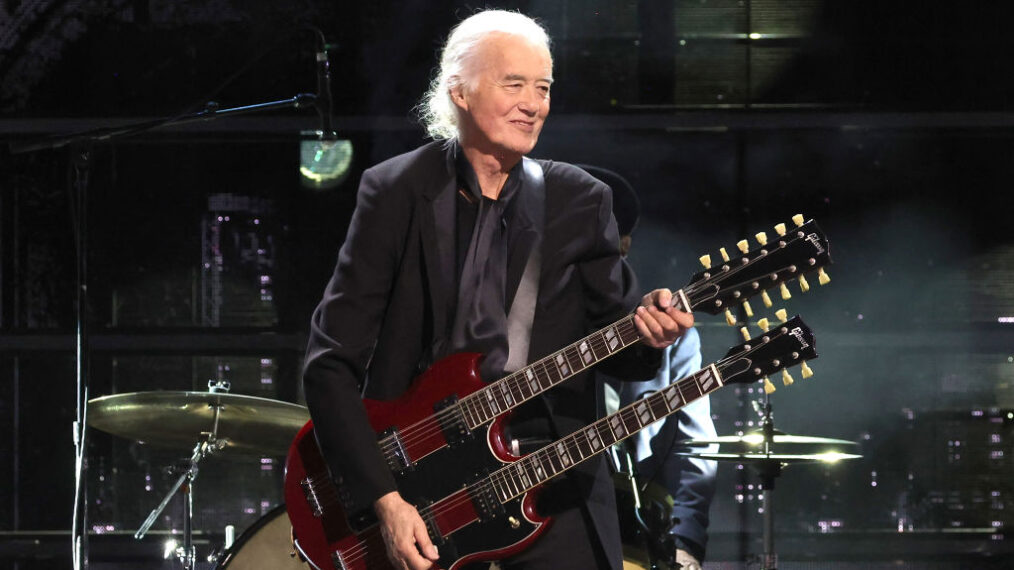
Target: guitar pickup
431, 523
394, 451
452, 421
485, 500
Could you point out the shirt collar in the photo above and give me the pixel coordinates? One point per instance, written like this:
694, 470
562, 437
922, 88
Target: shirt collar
469, 182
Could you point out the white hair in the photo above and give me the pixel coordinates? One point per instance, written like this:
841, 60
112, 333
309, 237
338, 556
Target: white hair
437, 111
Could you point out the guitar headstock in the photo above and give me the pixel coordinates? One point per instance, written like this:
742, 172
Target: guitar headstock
789, 257
775, 349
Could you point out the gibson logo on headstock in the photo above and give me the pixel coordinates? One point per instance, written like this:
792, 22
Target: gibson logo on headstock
815, 240
798, 333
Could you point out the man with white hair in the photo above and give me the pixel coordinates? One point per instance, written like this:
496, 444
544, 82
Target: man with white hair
434, 257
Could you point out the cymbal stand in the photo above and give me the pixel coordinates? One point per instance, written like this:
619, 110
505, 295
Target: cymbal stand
186, 553
768, 470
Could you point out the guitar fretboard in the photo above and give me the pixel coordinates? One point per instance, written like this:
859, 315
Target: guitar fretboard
483, 405
538, 467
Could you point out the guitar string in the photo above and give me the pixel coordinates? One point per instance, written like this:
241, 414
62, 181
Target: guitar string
332, 494
571, 445
501, 476
430, 426
430, 429
513, 379
329, 492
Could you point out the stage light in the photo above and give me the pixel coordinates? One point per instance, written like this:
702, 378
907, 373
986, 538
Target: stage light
169, 548
324, 164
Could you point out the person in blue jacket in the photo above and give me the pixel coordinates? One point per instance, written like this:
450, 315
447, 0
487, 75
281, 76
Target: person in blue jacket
689, 481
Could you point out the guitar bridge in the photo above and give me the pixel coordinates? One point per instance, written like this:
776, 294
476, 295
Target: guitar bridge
394, 451
338, 561
311, 497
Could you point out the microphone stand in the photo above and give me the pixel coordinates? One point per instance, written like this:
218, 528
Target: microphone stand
81, 145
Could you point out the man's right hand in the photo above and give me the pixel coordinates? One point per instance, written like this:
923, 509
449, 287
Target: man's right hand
408, 544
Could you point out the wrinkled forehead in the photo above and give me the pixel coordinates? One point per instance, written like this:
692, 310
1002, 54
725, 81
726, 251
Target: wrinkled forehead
508, 54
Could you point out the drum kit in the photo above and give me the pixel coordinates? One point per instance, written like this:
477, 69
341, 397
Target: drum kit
212, 422
219, 422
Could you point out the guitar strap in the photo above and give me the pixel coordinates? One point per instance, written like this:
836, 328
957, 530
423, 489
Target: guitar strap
522, 313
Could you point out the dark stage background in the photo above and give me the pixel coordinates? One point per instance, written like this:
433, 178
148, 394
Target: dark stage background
889, 122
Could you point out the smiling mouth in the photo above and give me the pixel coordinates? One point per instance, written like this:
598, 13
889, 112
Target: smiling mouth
524, 125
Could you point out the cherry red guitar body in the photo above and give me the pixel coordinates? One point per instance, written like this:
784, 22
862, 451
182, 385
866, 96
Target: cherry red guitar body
434, 462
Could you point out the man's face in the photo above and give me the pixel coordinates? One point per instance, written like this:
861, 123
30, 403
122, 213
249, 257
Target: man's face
508, 100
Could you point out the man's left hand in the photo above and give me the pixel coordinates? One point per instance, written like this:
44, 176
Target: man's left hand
659, 323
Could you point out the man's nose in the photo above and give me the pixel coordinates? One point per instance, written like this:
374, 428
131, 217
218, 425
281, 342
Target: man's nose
530, 101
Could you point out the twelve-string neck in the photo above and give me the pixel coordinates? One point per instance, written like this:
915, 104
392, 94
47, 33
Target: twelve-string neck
483, 405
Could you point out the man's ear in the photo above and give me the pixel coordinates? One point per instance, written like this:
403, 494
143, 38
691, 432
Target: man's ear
458, 97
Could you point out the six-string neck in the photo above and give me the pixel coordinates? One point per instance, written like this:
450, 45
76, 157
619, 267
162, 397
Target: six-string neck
525, 474
483, 405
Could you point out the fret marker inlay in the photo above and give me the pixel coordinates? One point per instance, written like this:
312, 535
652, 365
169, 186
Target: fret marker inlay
616, 424
533, 381
643, 412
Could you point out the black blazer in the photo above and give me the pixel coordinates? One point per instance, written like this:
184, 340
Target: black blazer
383, 317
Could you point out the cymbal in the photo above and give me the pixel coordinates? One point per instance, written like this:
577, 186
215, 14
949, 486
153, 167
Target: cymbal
783, 447
247, 425
757, 438
827, 457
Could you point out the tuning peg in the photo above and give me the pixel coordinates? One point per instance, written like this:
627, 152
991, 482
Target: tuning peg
798, 220
780, 229
725, 255
743, 245
766, 299
785, 292
706, 261
764, 324
823, 277
747, 308
745, 333
768, 386
804, 285
730, 318
786, 377
762, 238
782, 315
805, 370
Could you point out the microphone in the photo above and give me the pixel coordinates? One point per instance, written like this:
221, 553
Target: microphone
323, 103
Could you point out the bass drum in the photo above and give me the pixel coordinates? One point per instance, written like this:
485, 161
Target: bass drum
266, 545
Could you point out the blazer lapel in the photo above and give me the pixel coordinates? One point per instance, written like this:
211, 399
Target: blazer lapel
438, 245
531, 213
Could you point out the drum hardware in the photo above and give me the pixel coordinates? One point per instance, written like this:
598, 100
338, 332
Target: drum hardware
768, 451
645, 511
222, 422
